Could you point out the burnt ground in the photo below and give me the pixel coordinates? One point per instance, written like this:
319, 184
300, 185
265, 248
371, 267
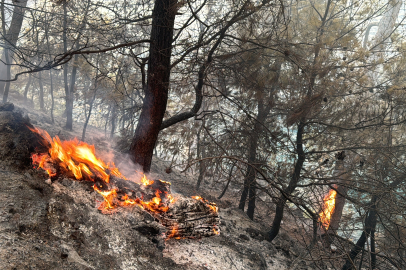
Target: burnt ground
58, 226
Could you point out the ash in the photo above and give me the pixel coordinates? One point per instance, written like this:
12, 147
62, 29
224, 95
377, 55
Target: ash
56, 225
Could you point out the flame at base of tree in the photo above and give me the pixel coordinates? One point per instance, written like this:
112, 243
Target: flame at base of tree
79, 159
327, 211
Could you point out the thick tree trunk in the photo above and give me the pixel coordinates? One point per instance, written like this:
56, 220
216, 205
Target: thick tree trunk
10, 41
276, 224
156, 92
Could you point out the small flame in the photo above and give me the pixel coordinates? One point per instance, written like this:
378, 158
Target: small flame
77, 157
44, 161
328, 208
171, 198
174, 232
110, 198
211, 205
145, 181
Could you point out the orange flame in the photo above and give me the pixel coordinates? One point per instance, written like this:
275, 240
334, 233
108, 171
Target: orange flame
77, 157
145, 181
110, 198
174, 232
80, 159
328, 208
211, 205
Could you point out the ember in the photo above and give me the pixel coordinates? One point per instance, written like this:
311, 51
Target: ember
328, 208
79, 159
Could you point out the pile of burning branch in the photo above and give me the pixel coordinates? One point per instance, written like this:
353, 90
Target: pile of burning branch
184, 217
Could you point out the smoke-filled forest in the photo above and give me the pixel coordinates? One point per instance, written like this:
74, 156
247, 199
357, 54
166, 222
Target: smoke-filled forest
290, 111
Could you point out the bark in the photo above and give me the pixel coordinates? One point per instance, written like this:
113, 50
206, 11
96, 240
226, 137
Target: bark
156, 92
10, 42
27, 87
276, 224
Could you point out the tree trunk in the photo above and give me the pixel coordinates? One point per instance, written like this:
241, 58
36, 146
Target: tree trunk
201, 155
250, 184
88, 116
370, 224
10, 41
341, 176
107, 121
68, 110
41, 92
27, 87
276, 224
249, 181
70, 97
51, 92
113, 120
230, 175
156, 92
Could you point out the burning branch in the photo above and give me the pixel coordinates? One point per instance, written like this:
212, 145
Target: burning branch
184, 218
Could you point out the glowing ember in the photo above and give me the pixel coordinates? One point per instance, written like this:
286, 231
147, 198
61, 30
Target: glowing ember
174, 232
328, 208
211, 205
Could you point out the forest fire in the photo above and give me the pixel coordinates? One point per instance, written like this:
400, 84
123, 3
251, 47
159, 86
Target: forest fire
79, 160
328, 208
